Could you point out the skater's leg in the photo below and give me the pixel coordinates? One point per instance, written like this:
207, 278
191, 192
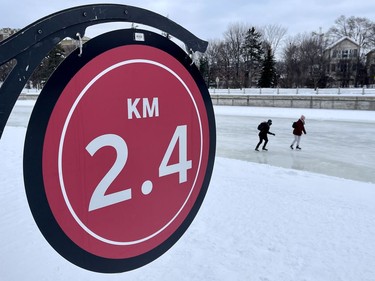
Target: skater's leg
259, 143
294, 141
265, 142
298, 141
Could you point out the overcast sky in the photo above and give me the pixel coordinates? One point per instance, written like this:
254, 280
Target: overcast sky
209, 19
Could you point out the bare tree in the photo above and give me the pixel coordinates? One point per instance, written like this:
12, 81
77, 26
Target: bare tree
291, 58
372, 38
361, 30
212, 56
273, 34
301, 57
312, 61
224, 65
234, 38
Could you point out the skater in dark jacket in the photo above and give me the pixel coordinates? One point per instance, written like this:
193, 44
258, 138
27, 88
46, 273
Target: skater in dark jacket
264, 130
299, 128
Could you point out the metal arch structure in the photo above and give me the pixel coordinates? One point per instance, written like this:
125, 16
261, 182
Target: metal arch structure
31, 44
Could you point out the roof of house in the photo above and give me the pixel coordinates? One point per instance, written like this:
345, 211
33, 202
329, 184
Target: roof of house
341, 40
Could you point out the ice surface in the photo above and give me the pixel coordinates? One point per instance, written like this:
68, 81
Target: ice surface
332, 147
338, 142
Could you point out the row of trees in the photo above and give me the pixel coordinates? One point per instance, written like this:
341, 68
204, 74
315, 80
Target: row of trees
258, 56
265, 57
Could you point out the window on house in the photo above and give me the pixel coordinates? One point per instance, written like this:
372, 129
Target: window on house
343, 67
353, 53
344, 54
334, 54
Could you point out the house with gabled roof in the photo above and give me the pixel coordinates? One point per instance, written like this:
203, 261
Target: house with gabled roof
343, 61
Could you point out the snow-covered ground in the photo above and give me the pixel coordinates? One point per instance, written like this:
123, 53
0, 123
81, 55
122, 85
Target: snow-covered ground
258, 222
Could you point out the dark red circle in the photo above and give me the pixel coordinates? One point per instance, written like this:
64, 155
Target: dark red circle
96, 103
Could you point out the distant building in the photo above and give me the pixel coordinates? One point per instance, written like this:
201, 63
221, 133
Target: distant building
343, 58
7, 32
370, 67
69, 44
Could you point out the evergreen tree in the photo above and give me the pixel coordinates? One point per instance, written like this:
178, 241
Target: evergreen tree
47, 66
268, 78
204, 69
252, 52
6, 68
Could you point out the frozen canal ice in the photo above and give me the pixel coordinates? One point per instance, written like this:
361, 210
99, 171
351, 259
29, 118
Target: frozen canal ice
344, 149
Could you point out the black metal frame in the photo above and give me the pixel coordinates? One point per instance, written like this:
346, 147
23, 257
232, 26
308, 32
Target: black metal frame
30, 45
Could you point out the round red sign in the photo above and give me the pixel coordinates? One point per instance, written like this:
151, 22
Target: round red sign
126, 151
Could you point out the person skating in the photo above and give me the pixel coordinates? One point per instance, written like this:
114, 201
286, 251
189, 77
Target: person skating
264, 130
299, 128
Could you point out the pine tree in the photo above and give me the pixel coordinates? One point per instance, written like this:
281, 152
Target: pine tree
252, 52
204, 69
268, 78
47, 66
6, 68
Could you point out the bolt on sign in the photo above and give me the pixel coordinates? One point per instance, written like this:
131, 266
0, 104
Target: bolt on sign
119, 151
